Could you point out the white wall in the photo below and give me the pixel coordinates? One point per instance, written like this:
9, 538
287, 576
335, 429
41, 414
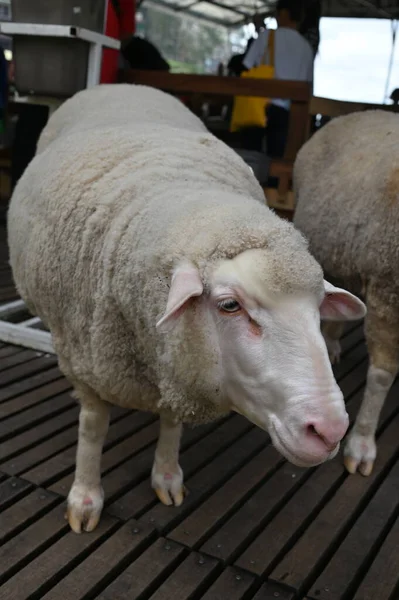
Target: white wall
353, 60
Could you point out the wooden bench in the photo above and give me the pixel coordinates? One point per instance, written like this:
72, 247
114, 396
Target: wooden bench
337, 108
201, 87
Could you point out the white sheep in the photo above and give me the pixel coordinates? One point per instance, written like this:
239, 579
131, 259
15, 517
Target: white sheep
346, 181
145, 245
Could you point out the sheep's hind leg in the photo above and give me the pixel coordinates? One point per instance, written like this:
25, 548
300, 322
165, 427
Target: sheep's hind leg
332, 331
167, 476
86, 498
382, 335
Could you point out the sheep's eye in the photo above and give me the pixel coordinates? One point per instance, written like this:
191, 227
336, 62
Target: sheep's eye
229, 306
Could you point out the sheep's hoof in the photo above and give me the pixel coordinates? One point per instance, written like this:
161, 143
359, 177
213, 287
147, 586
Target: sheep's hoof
169, 497
352, 465
84, 508
168, 484
360, 454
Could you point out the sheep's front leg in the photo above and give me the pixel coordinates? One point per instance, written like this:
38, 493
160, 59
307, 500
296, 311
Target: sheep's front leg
332, 331
86, 498
167, 476
382, 335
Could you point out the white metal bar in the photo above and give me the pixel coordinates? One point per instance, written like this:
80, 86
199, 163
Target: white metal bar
30, 322
68, 31
94, 65
96, 38
11, 308
26, 337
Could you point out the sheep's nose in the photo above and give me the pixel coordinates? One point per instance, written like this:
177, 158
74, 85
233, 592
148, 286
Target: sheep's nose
330, 432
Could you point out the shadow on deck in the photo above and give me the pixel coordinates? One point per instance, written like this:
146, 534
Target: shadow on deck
252, 527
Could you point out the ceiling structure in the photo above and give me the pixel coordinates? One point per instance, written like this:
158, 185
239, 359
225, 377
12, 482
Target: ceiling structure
233, 13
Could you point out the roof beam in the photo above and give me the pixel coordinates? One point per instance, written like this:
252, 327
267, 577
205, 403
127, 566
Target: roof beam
214, 3
225, 7
173, 8
373, 8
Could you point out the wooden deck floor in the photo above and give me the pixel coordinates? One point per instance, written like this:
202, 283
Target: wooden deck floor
252, 527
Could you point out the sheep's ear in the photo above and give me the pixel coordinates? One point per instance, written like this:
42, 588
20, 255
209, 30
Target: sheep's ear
340, 305
186, 284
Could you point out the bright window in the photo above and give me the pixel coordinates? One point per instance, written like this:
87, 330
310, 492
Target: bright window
354, 58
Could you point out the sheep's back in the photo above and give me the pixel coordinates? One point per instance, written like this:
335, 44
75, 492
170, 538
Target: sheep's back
116, 106
97, 177
346, 181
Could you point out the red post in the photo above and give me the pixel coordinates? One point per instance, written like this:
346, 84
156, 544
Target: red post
120, 24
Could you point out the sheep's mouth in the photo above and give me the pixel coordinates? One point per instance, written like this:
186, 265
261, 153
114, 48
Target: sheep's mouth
293, 457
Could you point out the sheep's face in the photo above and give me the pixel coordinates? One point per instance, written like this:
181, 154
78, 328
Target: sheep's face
276, 370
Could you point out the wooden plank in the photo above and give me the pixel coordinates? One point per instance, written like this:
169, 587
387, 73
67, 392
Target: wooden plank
353, 367
351, 341
200, 523
254, 514
382, 578
43, 571
197, 450
275, 199
55, 561
92, 574
221, 86
280, 167
336, 108
146, 573
232, 584
46, 448
22, 512
271, 590
28, 543
16, 359
8, 293
23, 371
42, 441
208, 479
31, 382
296, 130
35, 414
9, 350
280, 531
272, 541
24, 442
353, 382
344, 569
11, 490
59, 469
31, 457
332, 522
29, 399
191, 577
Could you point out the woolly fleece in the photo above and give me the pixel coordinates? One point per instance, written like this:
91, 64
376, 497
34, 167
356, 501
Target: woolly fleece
126, 183
346, 181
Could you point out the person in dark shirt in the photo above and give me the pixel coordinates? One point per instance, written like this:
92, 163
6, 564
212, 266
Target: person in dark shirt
142, 54
310, 25
235, 65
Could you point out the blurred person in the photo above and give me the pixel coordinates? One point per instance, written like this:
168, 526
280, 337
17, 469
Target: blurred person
294, 60
140, 53
310, 25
